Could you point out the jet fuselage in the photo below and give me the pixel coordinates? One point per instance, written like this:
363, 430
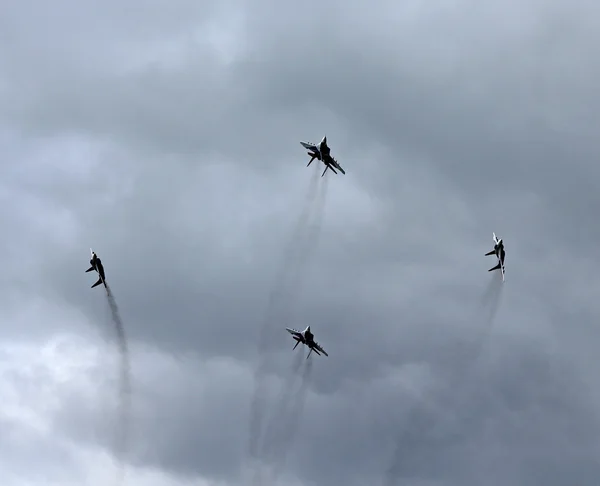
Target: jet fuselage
324, 149
308, 336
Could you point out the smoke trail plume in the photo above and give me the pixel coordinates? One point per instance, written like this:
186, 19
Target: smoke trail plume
274, 304
283, 426
280, 307
266, 438
124, 385
431, 413
288, 428
282, 404
294, 258
305, 245
491, 299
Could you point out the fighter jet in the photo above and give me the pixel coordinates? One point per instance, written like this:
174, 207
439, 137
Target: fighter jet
500, 253
96, 264
323, 153
307, 338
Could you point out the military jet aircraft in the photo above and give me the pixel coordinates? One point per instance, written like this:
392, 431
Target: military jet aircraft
307, 338
323, 153
500, 253
96, 264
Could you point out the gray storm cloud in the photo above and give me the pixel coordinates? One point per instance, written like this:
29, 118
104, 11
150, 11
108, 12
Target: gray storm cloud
169, 135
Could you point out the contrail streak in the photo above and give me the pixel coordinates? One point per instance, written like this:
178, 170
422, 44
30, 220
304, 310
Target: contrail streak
124, 385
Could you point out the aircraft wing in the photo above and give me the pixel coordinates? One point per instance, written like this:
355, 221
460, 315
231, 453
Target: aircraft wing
319, 348
310, 146
337, 166
293, 332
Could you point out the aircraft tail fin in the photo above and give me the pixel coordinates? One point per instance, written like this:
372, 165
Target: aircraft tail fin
90, 269
98, 283
490, 253
310, 161
296, 345
326, 167
497, 267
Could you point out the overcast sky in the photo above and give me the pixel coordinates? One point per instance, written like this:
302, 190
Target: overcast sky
165, 135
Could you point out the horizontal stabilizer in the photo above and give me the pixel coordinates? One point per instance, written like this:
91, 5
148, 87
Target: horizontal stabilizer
90, 269
490, 253
494, 268
98, 283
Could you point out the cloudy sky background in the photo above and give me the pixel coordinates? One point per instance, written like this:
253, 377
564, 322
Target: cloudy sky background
165, 136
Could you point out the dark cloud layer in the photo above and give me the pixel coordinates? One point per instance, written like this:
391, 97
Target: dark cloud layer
166, 137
